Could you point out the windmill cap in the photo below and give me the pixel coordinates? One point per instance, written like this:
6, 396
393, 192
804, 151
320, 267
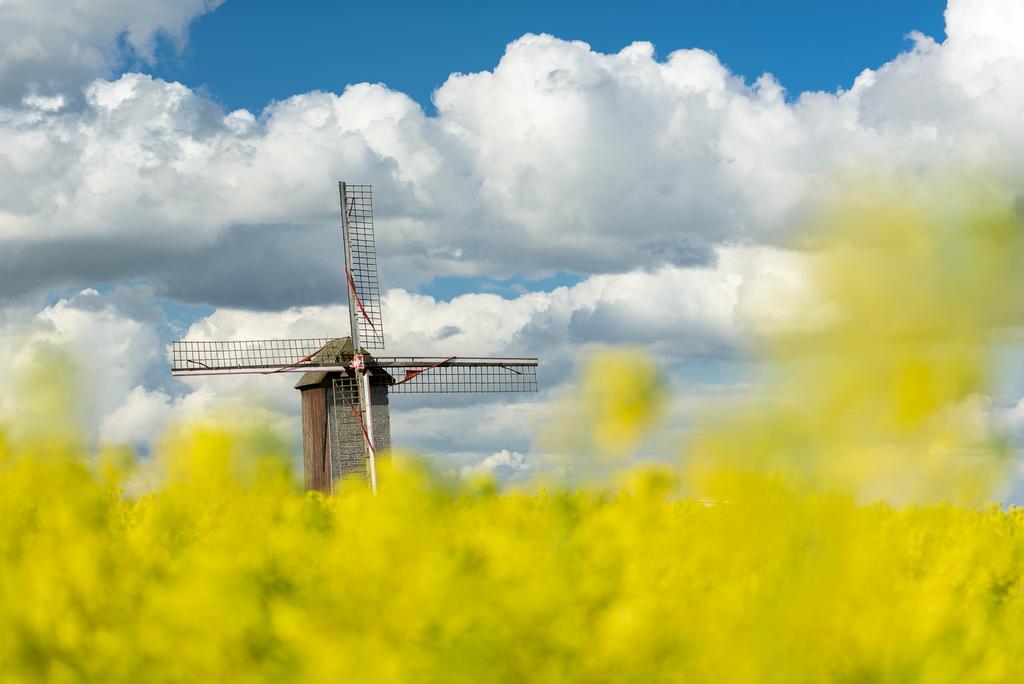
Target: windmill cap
337, 352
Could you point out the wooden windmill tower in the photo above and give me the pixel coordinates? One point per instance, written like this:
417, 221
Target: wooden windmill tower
346, 423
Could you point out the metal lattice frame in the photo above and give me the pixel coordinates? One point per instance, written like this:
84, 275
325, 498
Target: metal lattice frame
206, 358
412, 374
461, 375
344, 409
363, 266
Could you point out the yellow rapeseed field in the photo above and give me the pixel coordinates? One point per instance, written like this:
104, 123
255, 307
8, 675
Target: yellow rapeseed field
830, 526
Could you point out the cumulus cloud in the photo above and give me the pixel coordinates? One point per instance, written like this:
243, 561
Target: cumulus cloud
142, 413
112, 341
560, 158
691, 311
667, 184
679, 315
504, 465
117, 341
49, 47
106, 353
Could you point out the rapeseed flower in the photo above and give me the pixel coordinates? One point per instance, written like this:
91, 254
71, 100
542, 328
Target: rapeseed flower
774, 551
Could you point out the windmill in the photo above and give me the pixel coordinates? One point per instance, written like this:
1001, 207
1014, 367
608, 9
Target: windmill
346, 423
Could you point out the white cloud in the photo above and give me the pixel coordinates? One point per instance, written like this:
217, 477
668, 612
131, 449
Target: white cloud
111, 340
105, 353
141, 416
660, 182
695, 311
504, 465
676, 314
47, 46
560, 158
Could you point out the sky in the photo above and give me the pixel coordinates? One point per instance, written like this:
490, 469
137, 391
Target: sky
247, 54
549, 179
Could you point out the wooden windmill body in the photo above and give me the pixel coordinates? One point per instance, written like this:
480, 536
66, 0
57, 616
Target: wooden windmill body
346, 421
333, 445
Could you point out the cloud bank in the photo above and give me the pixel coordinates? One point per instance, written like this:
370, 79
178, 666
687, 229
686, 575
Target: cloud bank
667, 183
560, 158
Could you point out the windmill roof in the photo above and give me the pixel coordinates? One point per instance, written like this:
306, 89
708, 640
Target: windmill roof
310, 380
337, 352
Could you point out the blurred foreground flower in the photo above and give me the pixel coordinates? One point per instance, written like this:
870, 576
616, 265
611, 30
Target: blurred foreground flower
222, 570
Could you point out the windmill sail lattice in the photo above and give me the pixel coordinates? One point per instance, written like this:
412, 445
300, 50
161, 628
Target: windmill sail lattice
408, 374
458, 375
363, 281
345, 406
347, 422
191, 357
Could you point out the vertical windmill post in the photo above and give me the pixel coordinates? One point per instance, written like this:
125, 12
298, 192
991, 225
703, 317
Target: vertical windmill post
346, 420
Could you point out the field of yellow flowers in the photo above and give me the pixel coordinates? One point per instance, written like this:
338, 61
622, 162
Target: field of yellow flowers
227, 573
830, 526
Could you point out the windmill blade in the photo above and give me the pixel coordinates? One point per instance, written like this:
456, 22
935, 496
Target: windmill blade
457, 375
345, 404
363, 280
253, 356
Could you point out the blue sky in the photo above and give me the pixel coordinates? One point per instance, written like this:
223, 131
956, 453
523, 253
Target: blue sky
246, 54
